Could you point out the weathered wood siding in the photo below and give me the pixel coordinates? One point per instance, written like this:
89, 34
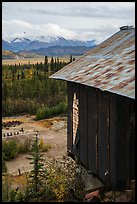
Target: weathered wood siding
132, 140
113, 133
83, 126
102, 136
119, 134
92, 129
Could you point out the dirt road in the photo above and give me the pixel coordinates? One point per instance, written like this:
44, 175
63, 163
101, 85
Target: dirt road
53, 131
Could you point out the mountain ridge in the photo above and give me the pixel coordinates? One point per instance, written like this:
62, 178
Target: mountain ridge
19, 44
54, 47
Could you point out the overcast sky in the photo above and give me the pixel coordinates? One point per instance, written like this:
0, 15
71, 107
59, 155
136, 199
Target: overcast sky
71, 20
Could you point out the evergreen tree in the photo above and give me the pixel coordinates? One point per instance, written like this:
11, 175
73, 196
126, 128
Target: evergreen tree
41, 66
13, 72
52, 64
57, 63
4, 167
18, 76
73, 58
46, 64
60, 65
36, 175
13, 77
29, 66
4, 90
15, 68
70, 58
37, 66
22, 75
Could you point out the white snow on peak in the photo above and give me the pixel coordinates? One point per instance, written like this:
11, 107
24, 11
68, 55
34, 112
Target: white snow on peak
20, 40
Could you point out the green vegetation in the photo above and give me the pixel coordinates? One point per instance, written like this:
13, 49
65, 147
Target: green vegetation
48, 181
45, 112
25, 147
11, 148
27, 89
4, 167
43, 147
36, 176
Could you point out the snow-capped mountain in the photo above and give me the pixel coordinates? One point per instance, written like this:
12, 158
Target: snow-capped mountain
20, 40
19, 44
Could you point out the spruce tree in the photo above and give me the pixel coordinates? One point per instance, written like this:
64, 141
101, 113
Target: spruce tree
4, 167
73, 58
52, 64
41, 66
36, 174
46, 64
70, 58
57, 63
22, 75
37, 66
18, 76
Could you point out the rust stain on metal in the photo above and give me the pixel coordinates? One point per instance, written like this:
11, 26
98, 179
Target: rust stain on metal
110, 66
120, 68
131, 62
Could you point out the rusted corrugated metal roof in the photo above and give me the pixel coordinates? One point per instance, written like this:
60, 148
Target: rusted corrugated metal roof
110, 66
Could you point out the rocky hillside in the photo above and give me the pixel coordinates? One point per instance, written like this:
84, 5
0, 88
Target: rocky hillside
7, 55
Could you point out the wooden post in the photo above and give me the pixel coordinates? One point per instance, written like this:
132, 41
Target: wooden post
19, 172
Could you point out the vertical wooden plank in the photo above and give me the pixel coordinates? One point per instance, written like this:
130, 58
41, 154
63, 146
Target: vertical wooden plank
92, 128
119, 127
83, 126
113, 135
103, 136
132, 140
122, 141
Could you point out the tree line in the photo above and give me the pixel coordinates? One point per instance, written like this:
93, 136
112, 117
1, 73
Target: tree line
27, 88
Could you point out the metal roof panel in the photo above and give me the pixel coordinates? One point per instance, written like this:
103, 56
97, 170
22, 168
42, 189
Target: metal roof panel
110, 66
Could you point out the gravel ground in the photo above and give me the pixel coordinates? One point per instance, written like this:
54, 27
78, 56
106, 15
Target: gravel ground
53, 131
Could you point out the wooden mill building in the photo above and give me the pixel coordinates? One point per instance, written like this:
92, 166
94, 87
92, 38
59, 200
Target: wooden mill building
101, 108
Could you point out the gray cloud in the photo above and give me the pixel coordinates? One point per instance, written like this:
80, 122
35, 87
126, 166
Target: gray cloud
104, 10
84, 20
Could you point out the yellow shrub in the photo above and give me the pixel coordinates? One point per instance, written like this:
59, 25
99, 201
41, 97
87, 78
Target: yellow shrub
44, 147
